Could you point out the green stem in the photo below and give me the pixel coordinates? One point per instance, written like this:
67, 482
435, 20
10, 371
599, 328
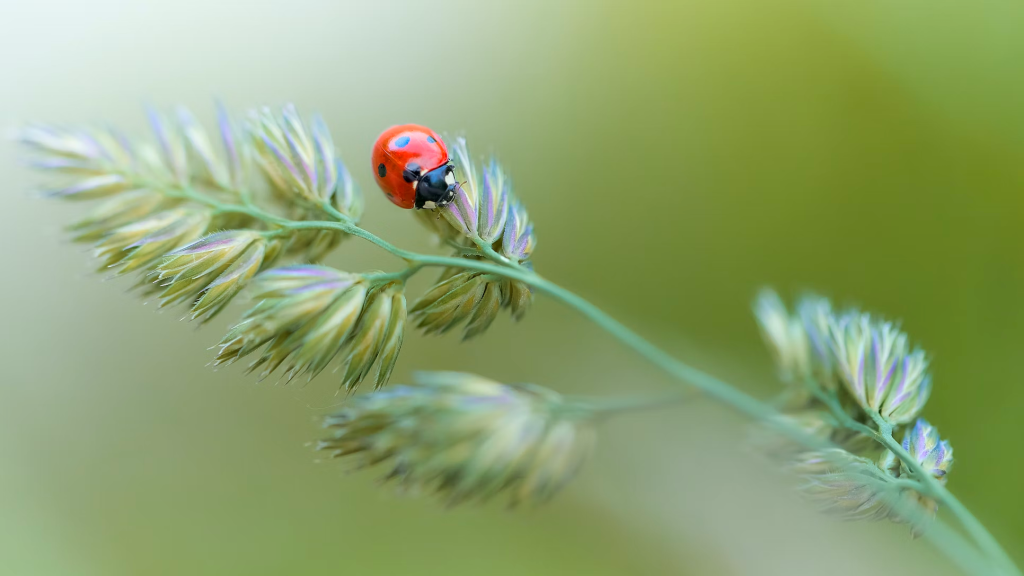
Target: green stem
831, 401
935, 489
925, 482
401, 275
697, 378
604, 407
489, 251
740, 401
248, 208
334, 212
957, 549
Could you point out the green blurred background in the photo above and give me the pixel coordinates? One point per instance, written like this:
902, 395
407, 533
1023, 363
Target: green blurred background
676, 156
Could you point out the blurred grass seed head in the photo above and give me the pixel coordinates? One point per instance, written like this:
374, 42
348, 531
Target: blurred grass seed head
864, 367
465, 438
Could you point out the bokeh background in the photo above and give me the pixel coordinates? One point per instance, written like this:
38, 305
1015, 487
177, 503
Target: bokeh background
676, 156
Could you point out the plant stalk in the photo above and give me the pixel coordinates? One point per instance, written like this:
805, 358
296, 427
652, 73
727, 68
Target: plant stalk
702, 381
938, 491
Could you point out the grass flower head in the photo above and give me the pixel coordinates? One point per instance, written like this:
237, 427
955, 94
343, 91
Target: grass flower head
300, 160
484, 220
845, 485
933, 454
307, 316
785, 336
211, 271
471, 297
138, 245
878, 368
464, 437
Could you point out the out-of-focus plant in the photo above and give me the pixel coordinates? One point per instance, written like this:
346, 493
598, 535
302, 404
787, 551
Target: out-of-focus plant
199, 223
852, 379
853, 382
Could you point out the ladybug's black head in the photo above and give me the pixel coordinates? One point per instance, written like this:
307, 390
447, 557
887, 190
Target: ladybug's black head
435, 188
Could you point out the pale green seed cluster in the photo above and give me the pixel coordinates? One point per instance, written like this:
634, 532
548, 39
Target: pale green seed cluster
471, 297
308, 316
139, 245
299, 161
870, 358
211, 271
933, 454
464, 438
878, 367
301, 168
845, 485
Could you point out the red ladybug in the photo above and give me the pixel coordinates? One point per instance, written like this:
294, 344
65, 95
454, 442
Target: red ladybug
412, 167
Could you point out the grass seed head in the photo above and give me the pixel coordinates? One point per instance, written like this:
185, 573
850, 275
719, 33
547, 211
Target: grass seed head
300, 160
935, 455
845, 485
815, 313
138, 245
486, 213
209, 272
484, 209
78, 153
924, 445
785, 336
464, 437
866, 361
308, 316
468, 298
116, 212
877, 366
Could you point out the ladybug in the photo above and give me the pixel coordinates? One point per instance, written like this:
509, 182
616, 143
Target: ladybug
411, 166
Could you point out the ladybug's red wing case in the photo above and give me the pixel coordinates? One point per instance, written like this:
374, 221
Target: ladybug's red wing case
401, 155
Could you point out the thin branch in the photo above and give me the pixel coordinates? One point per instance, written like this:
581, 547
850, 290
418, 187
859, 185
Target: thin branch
702, 381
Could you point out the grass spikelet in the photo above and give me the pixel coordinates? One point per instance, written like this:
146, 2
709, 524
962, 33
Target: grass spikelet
869, 357
300, 161
119, 211
211, 271
878, 368
847, 371
845, 485
485, 212
785, 336
139, 244
935, 456
81, 153
485, 220
473, 298
391, 344
308, 316
464, 438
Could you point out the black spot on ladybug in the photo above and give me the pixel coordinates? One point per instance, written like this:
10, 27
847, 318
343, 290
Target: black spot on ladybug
412, 172
430, 139
382, 171
402, 142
